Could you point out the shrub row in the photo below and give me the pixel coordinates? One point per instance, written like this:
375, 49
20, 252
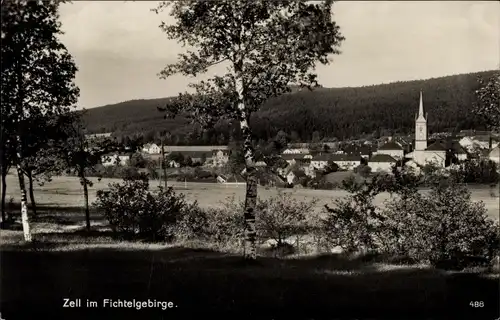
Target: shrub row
440, 226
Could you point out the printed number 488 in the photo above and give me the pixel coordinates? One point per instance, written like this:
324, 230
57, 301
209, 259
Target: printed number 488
476, 304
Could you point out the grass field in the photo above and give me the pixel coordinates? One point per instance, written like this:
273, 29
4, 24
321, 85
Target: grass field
67, 192
67, 263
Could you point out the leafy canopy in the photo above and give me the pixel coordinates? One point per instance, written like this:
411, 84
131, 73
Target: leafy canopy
268, 45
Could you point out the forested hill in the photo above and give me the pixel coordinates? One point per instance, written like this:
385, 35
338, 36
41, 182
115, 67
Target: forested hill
333, 112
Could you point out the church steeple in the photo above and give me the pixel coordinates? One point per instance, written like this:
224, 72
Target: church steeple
420, 127
420, 115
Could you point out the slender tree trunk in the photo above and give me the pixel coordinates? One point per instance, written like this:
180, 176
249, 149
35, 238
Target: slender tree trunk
250, 246
164, 167
4, 194
24, 200
83, 181
32, 194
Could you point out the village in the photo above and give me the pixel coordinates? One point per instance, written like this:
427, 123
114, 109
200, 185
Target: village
442, 150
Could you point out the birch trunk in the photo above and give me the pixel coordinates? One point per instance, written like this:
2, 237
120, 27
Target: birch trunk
32, 194
24, 199
4, 194
83, 181
250, 246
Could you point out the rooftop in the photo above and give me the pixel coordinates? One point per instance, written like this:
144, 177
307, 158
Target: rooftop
382, 158
391, 145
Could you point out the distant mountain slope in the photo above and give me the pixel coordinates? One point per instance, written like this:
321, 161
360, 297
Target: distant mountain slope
334, 112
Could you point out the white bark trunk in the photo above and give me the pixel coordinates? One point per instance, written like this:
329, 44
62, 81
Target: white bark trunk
250, 246
24, 199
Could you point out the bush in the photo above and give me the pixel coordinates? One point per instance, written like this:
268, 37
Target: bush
444, 225
135, 212
282, 216
220, 226
353, 223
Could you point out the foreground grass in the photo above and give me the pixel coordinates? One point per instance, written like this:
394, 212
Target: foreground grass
74, 264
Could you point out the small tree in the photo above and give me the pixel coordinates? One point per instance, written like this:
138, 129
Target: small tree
37, 79
81, 155
267, 45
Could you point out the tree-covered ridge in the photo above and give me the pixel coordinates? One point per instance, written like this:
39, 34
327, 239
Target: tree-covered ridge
334, 112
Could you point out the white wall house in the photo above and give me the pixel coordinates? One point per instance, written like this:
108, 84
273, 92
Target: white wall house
220, 157
345, 161
296, 151
151, 148
290, 177
115, 159
392, 149
381, 162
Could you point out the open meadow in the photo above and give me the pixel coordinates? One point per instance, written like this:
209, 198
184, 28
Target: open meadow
66, 192
66, 262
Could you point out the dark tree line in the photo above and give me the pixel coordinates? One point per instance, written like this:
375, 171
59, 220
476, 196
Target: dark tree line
339, 112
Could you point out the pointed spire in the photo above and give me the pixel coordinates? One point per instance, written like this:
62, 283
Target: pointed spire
420, 115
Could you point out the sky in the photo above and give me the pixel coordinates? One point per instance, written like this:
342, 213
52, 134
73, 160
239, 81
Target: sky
119, 47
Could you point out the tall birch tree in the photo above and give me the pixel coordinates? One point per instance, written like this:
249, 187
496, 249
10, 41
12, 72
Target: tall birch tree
37, 75
266, 46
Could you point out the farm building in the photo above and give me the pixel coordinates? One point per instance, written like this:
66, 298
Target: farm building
151, 148
113, 159
215, 155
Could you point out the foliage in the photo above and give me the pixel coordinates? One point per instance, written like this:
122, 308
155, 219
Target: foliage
137, 161
487, 106
354, 222
37, 74
331, 167
476, 171
443, 225
267, 47
336, 112
282, 216
133, 211
222, 226
363, 170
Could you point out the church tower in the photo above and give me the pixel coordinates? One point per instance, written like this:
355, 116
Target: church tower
420, 127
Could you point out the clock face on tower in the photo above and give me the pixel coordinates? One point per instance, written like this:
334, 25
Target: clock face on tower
421, 133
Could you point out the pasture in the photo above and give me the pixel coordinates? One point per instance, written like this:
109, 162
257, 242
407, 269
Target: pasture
67, 263
66, 192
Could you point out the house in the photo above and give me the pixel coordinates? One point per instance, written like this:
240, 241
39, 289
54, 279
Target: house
151, 148
296, 151
98, 135
356, 150
471, 143
292, 159
495, 154
220, 157
290, 177
381, 162
392, 149
260, 164
457, 150
319, 162
215, 155
113, 159
346, 161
